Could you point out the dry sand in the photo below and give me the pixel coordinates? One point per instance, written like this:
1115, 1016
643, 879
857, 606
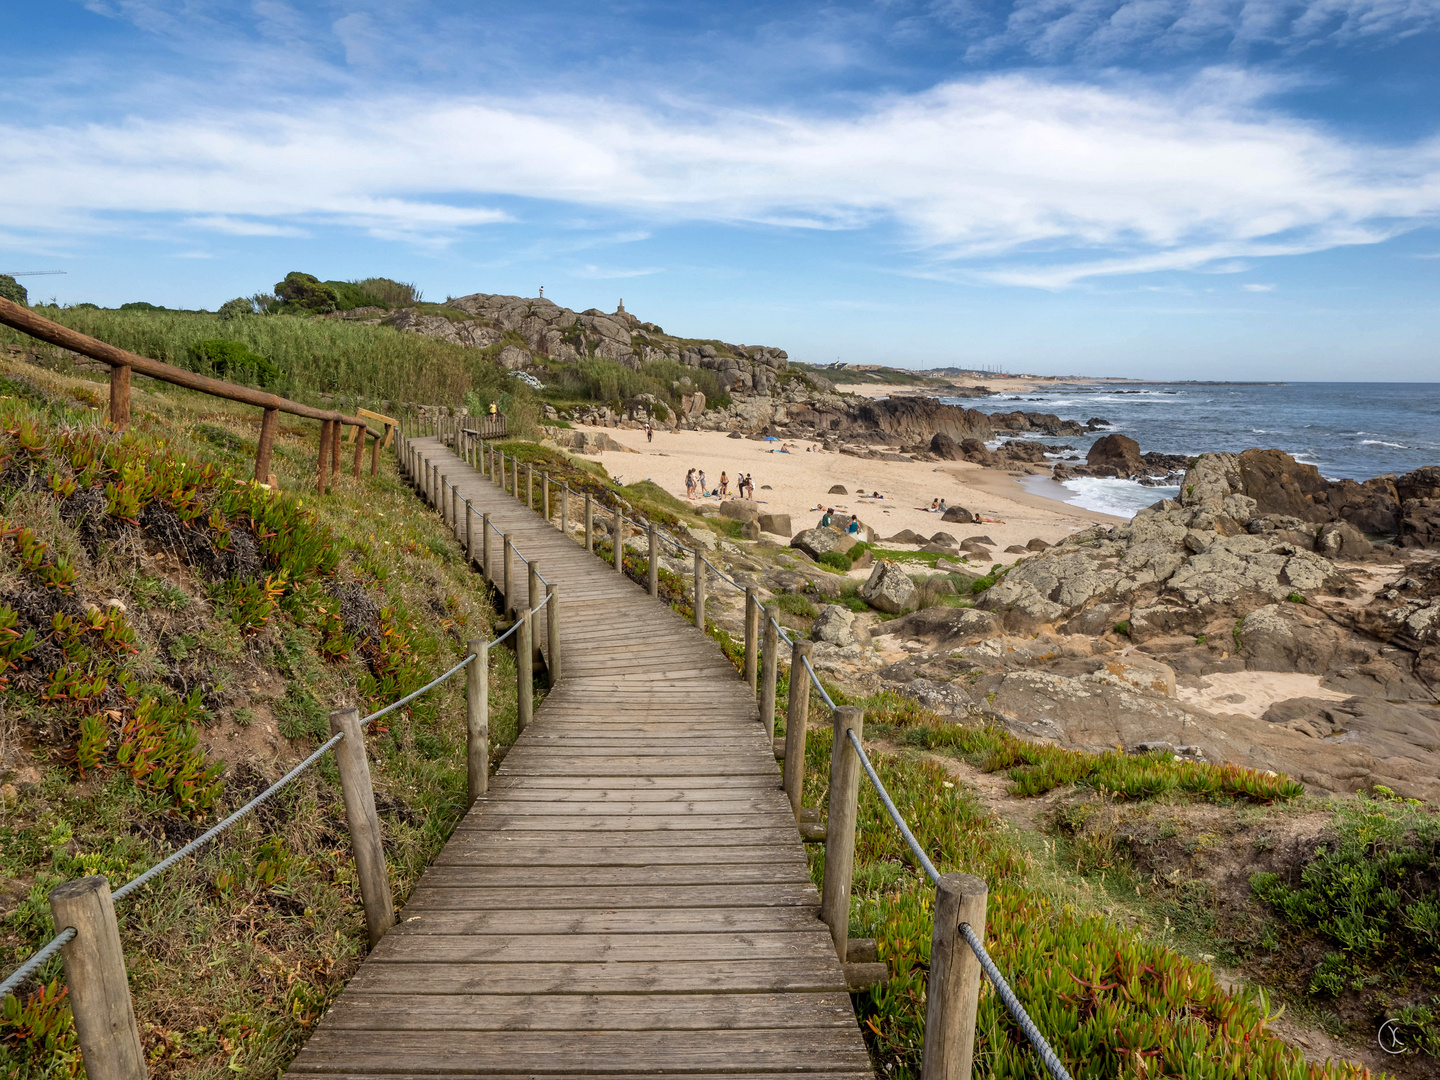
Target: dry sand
799, 482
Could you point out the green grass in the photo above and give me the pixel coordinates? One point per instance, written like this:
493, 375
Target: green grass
262, 930
1104, 996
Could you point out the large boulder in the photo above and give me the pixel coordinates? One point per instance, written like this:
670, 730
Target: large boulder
957, 513
837, 625
779, 524
1118, 452
906, 536
739, 510
946, 448
888, 589
944, 627
1420, 524
911, 420
1423, 483
816, 542
1279, 484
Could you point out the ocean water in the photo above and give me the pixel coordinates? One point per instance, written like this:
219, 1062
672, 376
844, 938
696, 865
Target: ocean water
1354, 430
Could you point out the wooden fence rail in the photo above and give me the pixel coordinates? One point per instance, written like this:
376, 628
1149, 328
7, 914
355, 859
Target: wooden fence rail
122, 363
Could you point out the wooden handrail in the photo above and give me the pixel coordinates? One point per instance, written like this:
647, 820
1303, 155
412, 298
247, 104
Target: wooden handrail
122, 362
22, 318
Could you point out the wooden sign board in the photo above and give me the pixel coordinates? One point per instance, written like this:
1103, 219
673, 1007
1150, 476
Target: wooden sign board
391, 425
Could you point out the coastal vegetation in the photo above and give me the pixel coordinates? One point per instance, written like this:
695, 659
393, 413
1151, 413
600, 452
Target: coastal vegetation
171, 637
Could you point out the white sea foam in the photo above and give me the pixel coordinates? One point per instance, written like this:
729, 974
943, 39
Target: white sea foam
1123, 498
1381, 442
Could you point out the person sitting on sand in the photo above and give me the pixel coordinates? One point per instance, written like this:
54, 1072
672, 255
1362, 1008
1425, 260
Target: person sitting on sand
934, 506
825, 519
784, 448
942, 507
854, 526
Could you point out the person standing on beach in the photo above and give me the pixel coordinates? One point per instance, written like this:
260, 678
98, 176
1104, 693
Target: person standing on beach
700, 479
649, 432
690, 484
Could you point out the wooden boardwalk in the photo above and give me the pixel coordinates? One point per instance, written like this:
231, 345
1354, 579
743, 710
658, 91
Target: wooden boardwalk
631, 898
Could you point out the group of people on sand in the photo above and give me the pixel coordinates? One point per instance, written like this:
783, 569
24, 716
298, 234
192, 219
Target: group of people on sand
697, 486
830, 520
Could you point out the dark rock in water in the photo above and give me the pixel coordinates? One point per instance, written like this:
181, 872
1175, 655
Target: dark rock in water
1097, 422
838, 489
1024, 450
957, 513
1044, 423
1119, 452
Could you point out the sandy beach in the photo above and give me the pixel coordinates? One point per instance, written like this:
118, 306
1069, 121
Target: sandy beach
798, 483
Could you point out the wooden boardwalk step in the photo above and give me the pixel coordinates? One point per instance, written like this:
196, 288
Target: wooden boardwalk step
630, 899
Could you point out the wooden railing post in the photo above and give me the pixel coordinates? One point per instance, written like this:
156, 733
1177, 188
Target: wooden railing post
375, 455
654, 583
564, 509
618, 537
552, 629
515, 478
796, 715
507, 556
469, 533
699, 588
752, 637
769, 670
545, 495
529, 486
359, 450
322, 469
477, 720
840, 827
455, 507
365, 835
266, 448
120, 395
953, 995
99, 986
524, 673
533, 591
485, 548
589, 523
335, 433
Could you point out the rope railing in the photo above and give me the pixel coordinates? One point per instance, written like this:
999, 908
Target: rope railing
960, 901
84, 908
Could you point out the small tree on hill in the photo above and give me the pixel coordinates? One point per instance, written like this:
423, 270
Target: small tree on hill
306, 291
12, 290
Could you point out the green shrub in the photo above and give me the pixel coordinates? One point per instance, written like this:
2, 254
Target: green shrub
306, 291
385, 292
232, 360
837, 560
13, 291
796, 604
233, 309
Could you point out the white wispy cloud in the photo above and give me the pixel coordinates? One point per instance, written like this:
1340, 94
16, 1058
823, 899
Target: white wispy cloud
604, 273
1017, 178
1258, 288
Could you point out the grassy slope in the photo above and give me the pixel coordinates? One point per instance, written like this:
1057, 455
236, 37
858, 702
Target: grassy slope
265, 927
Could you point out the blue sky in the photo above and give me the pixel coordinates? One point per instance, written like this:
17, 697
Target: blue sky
1164, 188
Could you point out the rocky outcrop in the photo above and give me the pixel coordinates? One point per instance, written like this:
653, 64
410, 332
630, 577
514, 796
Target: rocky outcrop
839, 626
820, 541
889, 589
910, 420
1119, 453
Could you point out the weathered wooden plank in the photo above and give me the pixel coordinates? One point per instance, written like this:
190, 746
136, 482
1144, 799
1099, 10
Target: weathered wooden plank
598, 948
427, 896
450, 876
427, 920
363, 1011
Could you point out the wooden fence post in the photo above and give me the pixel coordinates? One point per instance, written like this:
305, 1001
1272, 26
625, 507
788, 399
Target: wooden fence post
618, 537
545, 495
323, 467
507, 556
515, 478
840, 827
552, 629
375, 455
533, 592
95, 973
752, 637
589, 523
564, 509
120, 396
469, 533
524, 674
769, 670
360, 433
796, 715
365, 835
654, 560
954, 989
266, 448
477, 720
699, 589
455, 507
529, 486
335, 466
485, 548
